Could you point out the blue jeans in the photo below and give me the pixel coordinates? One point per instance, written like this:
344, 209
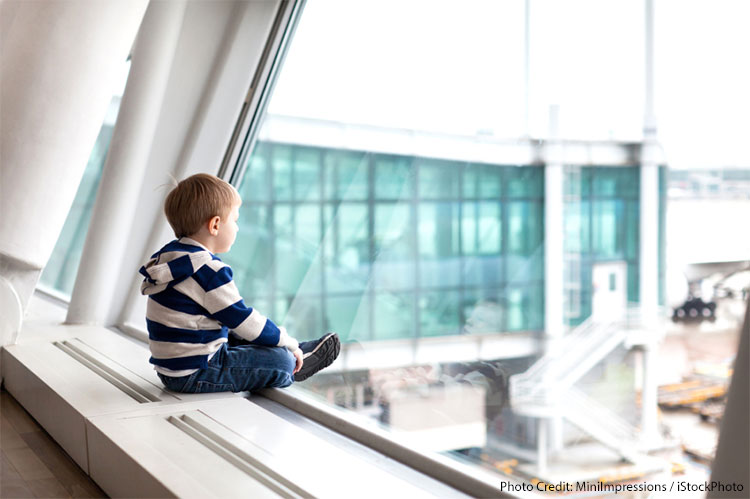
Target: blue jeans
238, 366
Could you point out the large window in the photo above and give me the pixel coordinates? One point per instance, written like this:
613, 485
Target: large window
60, 272
396, 194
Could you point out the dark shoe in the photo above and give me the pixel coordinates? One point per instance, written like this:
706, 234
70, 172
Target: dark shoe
318, 354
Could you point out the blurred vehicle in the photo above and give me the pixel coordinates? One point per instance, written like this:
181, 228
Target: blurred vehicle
728, 279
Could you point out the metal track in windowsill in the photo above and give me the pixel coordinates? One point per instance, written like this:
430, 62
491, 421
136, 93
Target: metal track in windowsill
476, 483
121, 382
195, 425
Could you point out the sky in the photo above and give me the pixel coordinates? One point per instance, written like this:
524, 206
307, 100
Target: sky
458, 68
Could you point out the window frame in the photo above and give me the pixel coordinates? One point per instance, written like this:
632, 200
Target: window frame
286, 21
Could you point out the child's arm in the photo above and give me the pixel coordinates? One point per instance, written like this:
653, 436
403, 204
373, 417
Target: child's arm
249, 324
213, 288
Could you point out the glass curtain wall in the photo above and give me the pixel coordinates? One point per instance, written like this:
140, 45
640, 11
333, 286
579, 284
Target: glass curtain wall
601, 225
380, 246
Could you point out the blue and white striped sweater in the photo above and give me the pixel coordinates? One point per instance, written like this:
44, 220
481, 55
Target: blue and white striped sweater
193, 304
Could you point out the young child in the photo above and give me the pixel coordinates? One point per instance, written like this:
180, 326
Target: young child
203, 338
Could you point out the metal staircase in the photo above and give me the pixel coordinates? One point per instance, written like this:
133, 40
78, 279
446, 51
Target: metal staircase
546, 389
602, 424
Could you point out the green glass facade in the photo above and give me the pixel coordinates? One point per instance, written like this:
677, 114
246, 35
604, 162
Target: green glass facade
602, 224
663, 185
381, 246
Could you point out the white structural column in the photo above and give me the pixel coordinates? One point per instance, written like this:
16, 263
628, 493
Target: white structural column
60, 62
553, 251
649, 219
554, 261
649, 236
117, 198
542, 445
649, 393
649, 222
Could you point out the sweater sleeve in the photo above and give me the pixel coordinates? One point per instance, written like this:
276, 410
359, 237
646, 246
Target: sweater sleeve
223, 302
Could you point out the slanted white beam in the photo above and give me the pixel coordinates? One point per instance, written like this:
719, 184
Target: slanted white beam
126, 161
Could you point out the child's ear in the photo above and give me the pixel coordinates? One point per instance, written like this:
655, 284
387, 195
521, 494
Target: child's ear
213, 225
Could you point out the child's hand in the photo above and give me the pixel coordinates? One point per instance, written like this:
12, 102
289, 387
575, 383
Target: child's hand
297, 355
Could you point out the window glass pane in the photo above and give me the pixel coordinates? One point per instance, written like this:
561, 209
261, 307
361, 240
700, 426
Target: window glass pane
632, 230
629, 183
438, 230
490, 183
307, 165
578, 181
282, 222
525, 182
438, 244
521, 215
307, 226
607, 217
348, 258
304, 316
394, 177
347, 173
256, 249
349, 315
298, 261
607, 231
577, 227
393, 267
394, 316
483, 270
525, 306
438, 179
470, 181
469, 227
439, 313
257, 173
281, 165
606, 182
481, 228
489, 228
60, 272
482, 311
525, 241
408, 213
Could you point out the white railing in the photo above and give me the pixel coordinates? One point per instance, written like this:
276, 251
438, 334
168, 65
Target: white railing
602, 424
546, 388
569, 359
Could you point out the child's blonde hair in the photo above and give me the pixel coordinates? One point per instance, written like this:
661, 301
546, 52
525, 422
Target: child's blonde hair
196, 200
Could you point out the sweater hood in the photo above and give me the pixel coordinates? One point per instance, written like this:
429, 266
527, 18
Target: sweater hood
172, 264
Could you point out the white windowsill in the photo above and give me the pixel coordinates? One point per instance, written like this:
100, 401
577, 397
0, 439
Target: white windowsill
375, 446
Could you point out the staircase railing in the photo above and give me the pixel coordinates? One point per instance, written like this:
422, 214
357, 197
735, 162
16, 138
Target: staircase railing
546, 388
545, 382
601, 423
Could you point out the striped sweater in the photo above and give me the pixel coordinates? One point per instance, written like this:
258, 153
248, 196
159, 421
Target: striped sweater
193, 304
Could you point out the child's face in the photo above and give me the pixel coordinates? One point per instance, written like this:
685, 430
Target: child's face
228, 230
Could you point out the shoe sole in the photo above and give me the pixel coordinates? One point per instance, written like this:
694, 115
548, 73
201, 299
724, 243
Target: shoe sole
320, 344
327, 359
